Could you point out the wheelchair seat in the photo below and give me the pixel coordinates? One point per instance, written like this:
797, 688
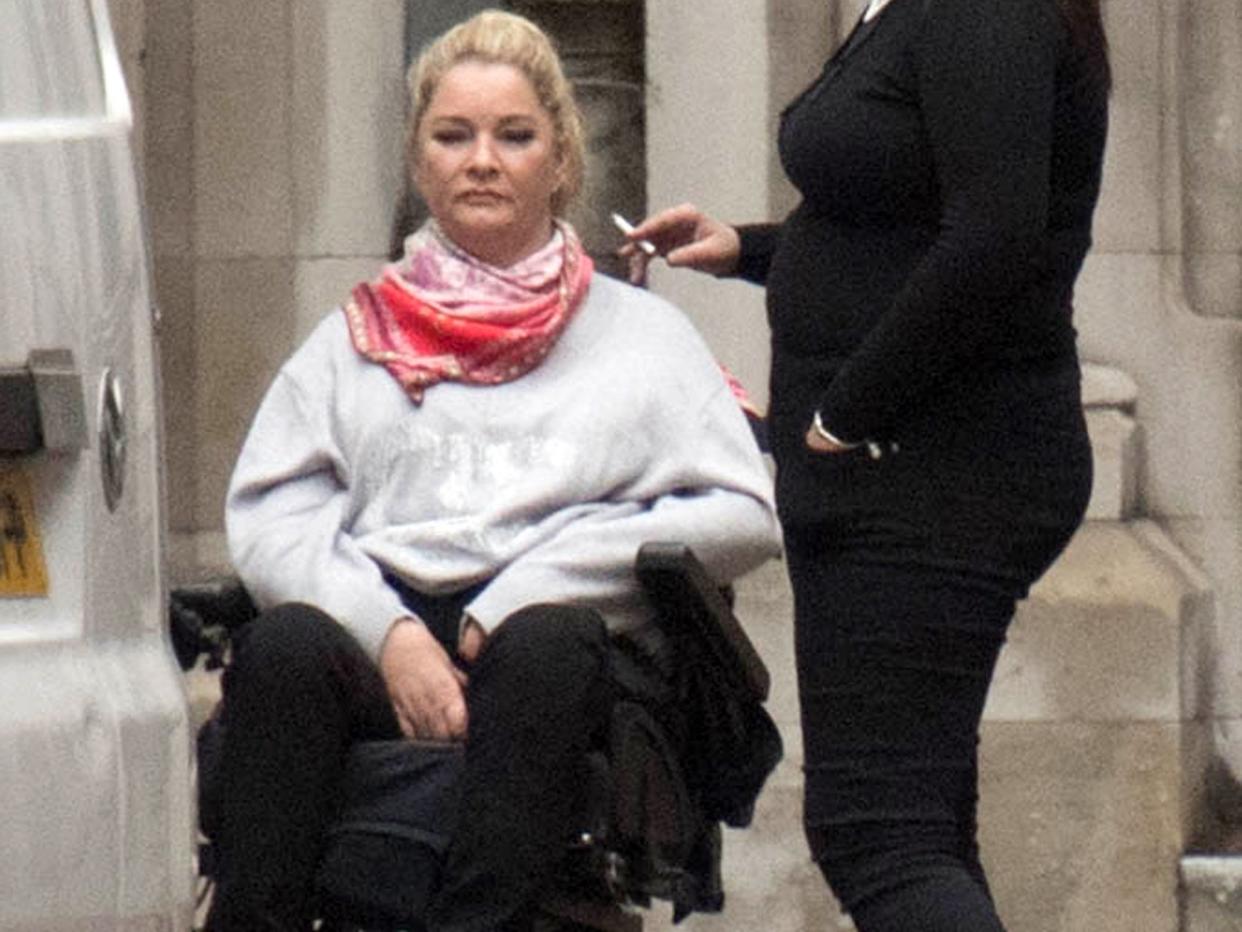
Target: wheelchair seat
653, 799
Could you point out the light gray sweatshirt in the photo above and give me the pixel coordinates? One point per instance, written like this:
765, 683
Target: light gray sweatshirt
545, 487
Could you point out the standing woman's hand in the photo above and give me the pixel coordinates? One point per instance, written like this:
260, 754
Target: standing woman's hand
686, 238
426, 688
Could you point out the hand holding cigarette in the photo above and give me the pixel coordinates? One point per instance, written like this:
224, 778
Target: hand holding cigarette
686, 238
627, 228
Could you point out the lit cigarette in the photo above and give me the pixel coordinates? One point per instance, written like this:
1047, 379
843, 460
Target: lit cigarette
627, 228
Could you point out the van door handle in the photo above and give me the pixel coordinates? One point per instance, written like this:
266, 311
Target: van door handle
42, 406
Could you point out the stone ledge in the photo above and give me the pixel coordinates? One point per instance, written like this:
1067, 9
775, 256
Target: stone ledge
1211, 889
1095, 743
1113, 632
1106, 387
1081, 824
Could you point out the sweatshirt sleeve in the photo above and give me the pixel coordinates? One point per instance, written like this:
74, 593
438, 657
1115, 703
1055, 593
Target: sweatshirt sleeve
707, 486
285, 516
986, 73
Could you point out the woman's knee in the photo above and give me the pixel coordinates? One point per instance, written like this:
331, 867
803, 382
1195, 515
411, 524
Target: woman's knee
549, 639
297, 659
548, 657
290, 639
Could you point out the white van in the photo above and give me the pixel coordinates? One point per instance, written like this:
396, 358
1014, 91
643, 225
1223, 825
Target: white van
96, 815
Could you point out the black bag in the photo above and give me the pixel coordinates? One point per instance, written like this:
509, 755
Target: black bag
731, 743
670, 849
384, 853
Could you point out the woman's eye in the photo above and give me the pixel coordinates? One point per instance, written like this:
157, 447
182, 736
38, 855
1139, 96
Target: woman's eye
450, 137
518, 137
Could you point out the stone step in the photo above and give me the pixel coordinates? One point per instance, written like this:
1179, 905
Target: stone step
1211, 893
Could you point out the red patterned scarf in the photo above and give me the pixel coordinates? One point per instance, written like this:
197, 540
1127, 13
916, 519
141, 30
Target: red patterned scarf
441, 314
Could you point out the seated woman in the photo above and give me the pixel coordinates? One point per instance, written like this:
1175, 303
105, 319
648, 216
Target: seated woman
441, 498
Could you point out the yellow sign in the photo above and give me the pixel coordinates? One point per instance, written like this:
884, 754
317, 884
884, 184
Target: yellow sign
22, 572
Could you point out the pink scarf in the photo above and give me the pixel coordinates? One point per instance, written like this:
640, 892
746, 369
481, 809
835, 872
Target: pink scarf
441, 314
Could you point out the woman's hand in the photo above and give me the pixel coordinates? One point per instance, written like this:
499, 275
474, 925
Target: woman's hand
427, 690
686, 238
472, 639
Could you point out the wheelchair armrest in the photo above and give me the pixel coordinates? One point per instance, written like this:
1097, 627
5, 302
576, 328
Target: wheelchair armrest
689, 600
203, 615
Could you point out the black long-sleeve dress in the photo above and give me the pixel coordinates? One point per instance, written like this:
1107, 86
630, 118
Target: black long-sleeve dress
949, 160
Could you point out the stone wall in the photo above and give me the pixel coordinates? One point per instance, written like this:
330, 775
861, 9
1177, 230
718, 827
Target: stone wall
1155, 301
274, 163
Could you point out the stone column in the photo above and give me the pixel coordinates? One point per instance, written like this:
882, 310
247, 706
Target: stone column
168, 176
1209, 142
1210, 56
273, 137
708, 142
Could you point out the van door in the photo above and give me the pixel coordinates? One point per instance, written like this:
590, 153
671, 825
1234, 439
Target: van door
96, 818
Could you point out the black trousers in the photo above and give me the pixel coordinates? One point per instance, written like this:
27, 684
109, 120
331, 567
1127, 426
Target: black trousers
893, 668
301, 690
906, 571
894, 658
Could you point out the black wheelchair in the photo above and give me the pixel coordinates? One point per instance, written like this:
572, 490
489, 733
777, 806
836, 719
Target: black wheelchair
655, 793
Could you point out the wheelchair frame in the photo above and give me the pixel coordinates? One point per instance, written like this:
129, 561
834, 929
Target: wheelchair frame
203, 618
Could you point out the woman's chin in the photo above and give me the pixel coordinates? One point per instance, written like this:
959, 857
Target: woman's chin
496, 242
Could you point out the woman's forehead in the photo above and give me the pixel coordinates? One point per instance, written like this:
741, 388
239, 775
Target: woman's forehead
479, 87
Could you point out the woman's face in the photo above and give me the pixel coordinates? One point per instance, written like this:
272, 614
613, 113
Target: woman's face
486, 161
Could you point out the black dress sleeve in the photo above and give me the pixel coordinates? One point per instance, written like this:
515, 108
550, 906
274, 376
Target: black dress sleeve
758, 246
986, 73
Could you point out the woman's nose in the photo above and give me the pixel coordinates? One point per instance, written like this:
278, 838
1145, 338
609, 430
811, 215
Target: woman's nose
483, 156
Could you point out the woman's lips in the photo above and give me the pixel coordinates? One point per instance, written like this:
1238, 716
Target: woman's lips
481, 197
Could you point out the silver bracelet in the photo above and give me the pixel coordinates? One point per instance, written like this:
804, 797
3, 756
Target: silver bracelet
874, 450
818, 426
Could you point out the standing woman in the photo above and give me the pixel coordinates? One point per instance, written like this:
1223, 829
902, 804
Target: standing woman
925, 408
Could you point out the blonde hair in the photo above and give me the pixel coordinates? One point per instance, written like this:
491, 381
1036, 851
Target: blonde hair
497, 37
